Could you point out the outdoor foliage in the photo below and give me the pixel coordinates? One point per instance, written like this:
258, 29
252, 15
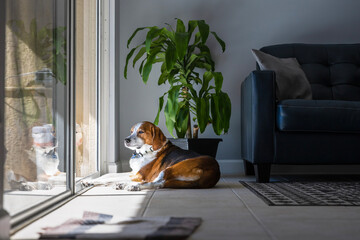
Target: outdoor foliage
49, 44
182, 53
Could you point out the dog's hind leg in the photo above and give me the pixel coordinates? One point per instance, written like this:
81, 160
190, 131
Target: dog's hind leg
198, 172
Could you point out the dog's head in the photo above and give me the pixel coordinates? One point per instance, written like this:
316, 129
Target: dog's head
145, 133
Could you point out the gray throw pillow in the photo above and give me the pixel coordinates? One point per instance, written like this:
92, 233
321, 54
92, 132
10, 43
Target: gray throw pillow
291, 80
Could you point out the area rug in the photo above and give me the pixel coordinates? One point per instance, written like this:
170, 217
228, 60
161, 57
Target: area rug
102, 226
309, 191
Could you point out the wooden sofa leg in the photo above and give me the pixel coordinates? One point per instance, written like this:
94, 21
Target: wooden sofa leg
249, 168
262, 172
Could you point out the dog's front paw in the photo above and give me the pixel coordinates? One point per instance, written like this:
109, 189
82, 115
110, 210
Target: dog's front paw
26, 187
120, 186
87, 183
44, 186
133, 188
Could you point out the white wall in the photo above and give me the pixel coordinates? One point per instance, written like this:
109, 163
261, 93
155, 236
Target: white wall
243, 25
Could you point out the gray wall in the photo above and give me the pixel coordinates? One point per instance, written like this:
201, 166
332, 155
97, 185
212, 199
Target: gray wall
243, 25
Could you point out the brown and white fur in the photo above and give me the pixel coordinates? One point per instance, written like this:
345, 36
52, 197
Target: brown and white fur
157, 163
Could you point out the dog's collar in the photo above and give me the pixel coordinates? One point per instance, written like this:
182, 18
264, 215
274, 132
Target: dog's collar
136, 155
139, 154
151, 150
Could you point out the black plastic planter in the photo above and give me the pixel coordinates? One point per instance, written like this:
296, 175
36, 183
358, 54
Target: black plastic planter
203, 146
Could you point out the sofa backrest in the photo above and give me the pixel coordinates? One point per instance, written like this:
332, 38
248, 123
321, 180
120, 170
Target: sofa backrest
333, 70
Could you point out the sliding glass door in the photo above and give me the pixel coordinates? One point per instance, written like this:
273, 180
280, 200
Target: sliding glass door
35, 102
50, 112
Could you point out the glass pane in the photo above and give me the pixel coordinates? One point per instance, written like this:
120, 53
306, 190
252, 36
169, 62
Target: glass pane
86, 89
35, 102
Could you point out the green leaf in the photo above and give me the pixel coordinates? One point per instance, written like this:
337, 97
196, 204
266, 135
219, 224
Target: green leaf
205, 84
168, 122
225, 106
188, 74
191, 60
206, 55
216, 114
180, 27
170, 56
149, 62
127, 61
218, 81
183, 81
197, 38
191, 49
159, 60
203, 48
181, 40
173, 95
141, 66
168, 35
161, 103
197, 80
133, 35
181, 120
163, 77
202, 112
193, 93
153, 33
171, 108
221, 42
160, 40
191, 27
204, 30
139, 55
161, 54
203, 65
171, 75
163, 67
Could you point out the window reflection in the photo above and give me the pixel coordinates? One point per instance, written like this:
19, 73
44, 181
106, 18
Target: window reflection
35, 102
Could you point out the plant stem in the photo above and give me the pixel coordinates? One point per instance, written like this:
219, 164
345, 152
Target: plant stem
188, 131
195, 131
186, 97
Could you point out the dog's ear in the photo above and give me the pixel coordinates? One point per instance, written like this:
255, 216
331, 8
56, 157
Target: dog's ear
159, 138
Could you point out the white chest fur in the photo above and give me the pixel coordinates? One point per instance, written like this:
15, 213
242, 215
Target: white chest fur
139, 161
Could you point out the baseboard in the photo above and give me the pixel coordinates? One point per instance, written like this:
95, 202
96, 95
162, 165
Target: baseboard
114, 167
126, 166
4, 224
231, 167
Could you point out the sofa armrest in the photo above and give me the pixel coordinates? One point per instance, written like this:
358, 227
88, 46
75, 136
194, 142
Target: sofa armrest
258, 117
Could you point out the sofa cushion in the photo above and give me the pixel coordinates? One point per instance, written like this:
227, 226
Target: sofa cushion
291, 81
333, 70
318, 115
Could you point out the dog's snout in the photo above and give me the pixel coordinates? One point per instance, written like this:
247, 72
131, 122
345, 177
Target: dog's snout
127, 140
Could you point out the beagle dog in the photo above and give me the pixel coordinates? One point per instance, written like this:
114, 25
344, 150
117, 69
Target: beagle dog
157, 163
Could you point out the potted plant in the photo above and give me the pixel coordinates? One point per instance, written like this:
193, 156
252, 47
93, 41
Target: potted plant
184, 57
